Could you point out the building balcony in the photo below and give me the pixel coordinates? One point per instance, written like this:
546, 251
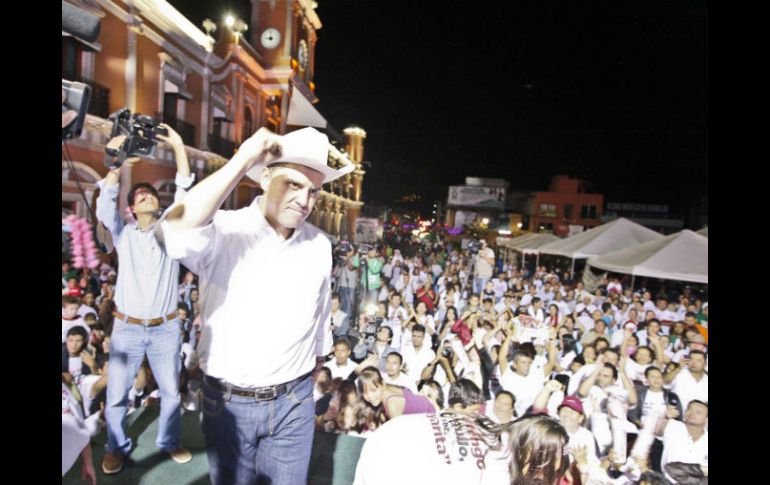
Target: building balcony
221, 146
186, 130
100, 98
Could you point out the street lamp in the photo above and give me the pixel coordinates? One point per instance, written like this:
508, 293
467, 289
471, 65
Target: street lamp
235, 24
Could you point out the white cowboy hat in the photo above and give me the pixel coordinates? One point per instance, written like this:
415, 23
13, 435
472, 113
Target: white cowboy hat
307, 147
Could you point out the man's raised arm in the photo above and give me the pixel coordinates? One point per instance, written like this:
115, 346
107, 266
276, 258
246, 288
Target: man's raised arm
203, 200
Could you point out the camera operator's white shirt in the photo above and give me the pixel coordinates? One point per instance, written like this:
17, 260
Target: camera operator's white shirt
147, 282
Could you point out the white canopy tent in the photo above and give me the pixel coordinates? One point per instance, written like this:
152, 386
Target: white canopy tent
704, 231
682, 257
527, 243
612, 236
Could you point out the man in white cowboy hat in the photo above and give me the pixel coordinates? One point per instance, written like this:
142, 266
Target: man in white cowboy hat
263, 326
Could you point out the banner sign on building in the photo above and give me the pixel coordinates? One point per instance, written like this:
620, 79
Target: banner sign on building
467, 195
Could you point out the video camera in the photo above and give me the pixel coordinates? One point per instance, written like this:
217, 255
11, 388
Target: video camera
141, 136
473, 247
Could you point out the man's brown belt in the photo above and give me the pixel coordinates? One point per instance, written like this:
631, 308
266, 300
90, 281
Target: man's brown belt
150, 322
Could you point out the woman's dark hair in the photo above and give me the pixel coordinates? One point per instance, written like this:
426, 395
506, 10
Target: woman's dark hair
446, 316
464, 392
568, 343
327, 384
536, 442
369, 376
365, 417
553, 305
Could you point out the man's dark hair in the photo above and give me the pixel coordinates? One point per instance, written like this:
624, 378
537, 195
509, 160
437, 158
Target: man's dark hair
183, 306
536, 299
78, 330
614, 370
435, 385
70, 300
506, 393
614, 350
343, 341
487, 300
603, 339
141, 185
651, 369
697, 401
700, 352
649, 349
464, 392
606, 306
690, 314
418, 328
390, 332
400, 357
336, 296
526, 349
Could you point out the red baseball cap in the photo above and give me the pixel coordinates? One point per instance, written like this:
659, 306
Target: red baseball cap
572, 402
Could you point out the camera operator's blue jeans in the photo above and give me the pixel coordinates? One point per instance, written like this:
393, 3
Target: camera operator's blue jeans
479, 284
259, 442
347, 297
128, 346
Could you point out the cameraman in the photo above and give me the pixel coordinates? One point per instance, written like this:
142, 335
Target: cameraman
146, 295
483, 264
347, 277
370, 274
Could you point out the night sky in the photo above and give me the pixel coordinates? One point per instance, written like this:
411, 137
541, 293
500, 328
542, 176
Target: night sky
612, 92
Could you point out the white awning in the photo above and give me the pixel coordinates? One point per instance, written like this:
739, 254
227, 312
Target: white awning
303, 113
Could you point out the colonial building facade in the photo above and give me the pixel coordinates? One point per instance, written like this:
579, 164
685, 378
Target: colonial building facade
214, 87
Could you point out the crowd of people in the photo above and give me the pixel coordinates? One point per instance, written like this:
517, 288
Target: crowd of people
422, 351
625, 373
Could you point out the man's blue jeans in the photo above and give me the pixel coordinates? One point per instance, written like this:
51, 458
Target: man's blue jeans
128, 346
259, 442
347, 297
479, 283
